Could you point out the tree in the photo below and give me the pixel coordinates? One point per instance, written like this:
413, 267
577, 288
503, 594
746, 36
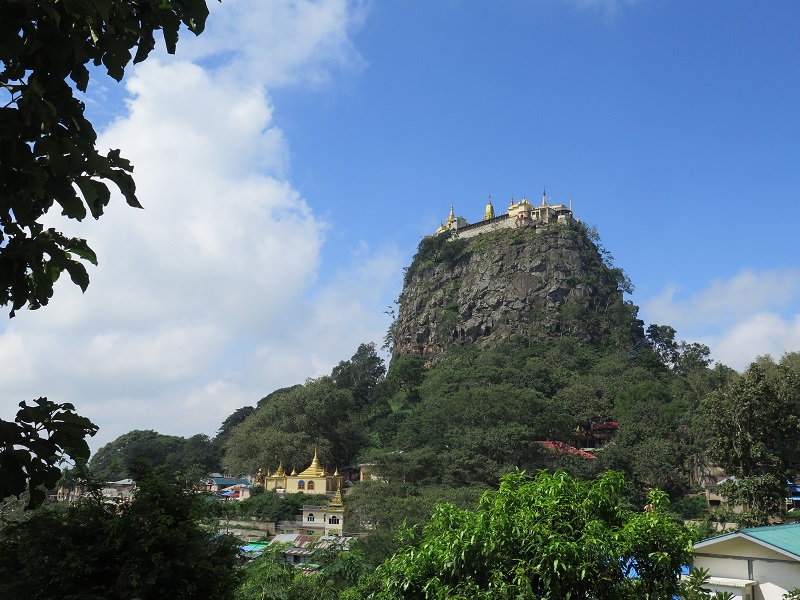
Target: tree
152, 547
172, 456
753, 426
48, 158
692, 588
34, 444
663, 339
286, 429
224, 432
48, 154
548, 536
360, 374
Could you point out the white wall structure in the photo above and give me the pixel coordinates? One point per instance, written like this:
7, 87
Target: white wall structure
758, 563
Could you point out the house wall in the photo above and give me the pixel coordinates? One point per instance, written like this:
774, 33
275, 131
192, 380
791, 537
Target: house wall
775, 572
781, 578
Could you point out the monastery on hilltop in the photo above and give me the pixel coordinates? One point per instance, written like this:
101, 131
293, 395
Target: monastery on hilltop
519, 214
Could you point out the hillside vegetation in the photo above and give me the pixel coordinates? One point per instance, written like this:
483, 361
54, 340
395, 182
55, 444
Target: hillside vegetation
506, 346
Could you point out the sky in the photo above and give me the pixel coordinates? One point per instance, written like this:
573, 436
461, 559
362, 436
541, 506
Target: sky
291, 157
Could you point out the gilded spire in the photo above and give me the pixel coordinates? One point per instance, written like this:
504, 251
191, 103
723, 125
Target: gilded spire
489, 212
452, 216
544, 197
314, 469
336, 503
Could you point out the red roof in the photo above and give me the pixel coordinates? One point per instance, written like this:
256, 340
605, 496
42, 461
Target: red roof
607, 425
565, 448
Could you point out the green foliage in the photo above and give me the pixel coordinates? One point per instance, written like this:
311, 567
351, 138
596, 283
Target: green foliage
234, 419
360, 374
188, 459
41, 436
48, 156
270, 577
692, 588
437, 249
286, 430
550, 536
150, 548
384, 511
268, 506
753, 426
692, 507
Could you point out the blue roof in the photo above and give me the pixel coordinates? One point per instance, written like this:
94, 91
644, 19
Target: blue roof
781, 537
229, 481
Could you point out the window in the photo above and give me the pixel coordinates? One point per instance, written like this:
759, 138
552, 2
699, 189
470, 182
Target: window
301, 485
310, 517
310, 485
333, 520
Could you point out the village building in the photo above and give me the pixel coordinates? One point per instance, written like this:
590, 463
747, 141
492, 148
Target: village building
327, 519
299, 549
758, 563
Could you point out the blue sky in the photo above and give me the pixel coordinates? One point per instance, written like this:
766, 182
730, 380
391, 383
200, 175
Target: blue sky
291, 157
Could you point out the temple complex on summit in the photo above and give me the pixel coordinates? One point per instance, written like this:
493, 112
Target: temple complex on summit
519, 214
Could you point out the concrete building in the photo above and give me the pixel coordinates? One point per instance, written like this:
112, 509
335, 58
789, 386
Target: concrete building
758, 563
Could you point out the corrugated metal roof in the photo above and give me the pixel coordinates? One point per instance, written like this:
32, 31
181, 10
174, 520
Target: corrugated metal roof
783, 538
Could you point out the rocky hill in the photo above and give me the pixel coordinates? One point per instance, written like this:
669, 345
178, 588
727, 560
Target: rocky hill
533, 282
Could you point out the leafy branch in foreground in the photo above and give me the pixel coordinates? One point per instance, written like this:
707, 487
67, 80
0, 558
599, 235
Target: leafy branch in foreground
35, 443
48, 154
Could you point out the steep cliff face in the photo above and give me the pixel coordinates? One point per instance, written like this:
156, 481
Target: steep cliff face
536, 283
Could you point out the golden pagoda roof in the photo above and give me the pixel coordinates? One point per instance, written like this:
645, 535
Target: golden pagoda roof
314, 469
452, 216
336, 503
280, 472
489, 213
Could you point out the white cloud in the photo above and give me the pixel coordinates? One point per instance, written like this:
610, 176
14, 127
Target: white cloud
757, 335
207, 299
750, 314
724, 301
275, 42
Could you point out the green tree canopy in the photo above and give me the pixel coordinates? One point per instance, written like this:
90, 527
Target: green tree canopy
551, 536
753, 427
48, 153
286, 429
172, 456
150, 548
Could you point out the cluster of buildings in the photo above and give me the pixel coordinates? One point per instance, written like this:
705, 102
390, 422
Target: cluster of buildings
518, 214
327, 518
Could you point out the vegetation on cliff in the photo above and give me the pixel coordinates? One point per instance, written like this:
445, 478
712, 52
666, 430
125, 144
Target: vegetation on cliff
537, 283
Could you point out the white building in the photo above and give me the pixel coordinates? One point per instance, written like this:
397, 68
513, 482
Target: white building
758, 563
